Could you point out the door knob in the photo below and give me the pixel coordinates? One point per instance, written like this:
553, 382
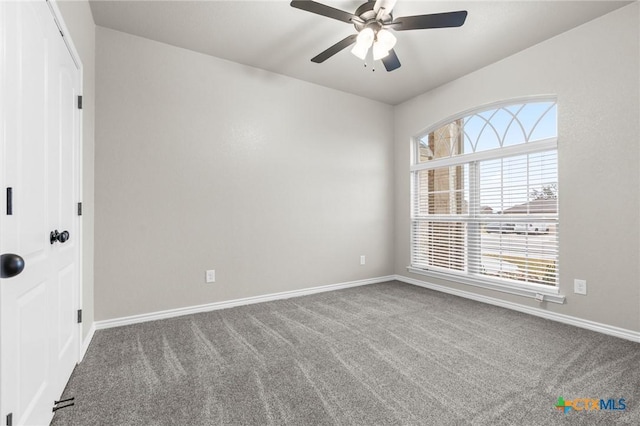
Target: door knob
64, 236
58, 236
10, 265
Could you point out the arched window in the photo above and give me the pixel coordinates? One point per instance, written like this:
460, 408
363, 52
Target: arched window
485, 197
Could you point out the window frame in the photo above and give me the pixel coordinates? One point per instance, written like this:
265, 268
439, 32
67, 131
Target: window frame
539, 291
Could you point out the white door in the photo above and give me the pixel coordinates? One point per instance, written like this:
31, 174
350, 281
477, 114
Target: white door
39, 131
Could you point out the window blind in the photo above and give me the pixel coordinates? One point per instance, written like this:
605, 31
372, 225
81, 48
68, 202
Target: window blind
491, 215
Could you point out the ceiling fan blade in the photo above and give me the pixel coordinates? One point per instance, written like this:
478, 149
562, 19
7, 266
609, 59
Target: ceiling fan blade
435, 20
345, 42
391, 61
324, 10
387, 5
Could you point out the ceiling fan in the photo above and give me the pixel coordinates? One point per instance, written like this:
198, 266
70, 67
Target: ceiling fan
373, 20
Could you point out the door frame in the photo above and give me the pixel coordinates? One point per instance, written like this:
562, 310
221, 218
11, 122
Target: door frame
75, 56
56, 15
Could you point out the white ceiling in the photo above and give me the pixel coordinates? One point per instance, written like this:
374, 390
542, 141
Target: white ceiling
271, 35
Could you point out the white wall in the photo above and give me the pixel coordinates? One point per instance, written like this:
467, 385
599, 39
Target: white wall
79, 21
280, 185
201, 163
594, 71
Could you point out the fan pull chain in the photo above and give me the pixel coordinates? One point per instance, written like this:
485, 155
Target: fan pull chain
373, 66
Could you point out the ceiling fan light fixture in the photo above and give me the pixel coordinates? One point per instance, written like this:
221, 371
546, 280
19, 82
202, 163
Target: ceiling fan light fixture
386, 39
366, 37
360, 51
379, 51
370, 20
363, 43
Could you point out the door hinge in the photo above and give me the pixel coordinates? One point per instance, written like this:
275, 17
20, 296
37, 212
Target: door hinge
79, 209
10, 419
79, 101
9, 201
79, 316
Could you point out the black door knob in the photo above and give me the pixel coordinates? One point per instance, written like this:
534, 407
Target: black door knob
64, 236
58, 236
10, 265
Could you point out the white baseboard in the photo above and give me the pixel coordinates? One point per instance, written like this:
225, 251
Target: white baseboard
87, 341
623, 333
171, 313
634, 336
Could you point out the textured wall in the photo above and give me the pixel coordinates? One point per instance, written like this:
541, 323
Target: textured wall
201, 163
593, 70
79, 21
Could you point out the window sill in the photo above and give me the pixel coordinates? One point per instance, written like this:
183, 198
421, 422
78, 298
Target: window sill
550, 294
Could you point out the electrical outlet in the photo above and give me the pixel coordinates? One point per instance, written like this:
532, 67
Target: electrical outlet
210, 276
363, 259
580, 286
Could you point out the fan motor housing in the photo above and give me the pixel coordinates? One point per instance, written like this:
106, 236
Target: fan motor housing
368, 16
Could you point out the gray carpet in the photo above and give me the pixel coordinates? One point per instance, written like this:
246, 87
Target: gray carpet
383, 354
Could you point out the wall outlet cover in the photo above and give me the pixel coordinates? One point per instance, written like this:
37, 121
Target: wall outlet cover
210, 276
580, 286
